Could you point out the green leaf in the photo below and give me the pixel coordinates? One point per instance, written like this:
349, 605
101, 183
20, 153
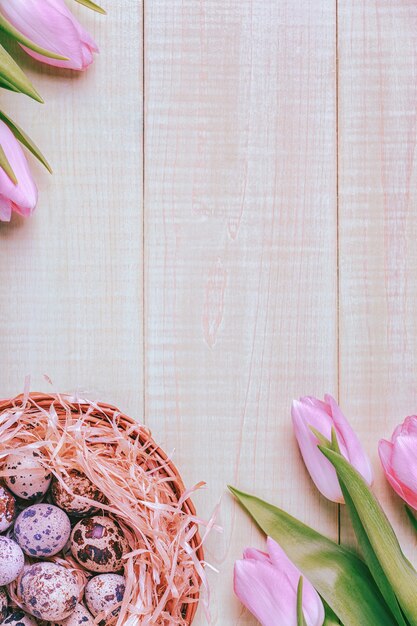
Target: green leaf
400, 574
411, 516
8, 28
300, 613
92, 5
12, 75
365, 545
5, 165
330, 618
339, 575
25, 140
371, 559
4, 84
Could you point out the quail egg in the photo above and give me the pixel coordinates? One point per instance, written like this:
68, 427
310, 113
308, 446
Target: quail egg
80, 617
81, 487
29, 479
103, 593
11, 560
17, 617
7, 509
48, 591
99, 544
42, 530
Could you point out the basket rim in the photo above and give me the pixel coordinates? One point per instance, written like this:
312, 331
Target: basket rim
145, 436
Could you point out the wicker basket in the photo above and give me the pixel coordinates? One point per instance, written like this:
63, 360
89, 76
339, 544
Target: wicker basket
158, 456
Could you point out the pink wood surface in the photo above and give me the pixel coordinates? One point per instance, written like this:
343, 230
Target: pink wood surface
240, 250
269, 253
378, 225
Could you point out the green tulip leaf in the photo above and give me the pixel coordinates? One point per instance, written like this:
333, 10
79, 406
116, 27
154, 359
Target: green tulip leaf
371, 559
25, 140
411, 516
6, 167
300, 614
4, 84
330, 619
8, 28
12, 75
341, 578
365, 545
92, 5
378, 538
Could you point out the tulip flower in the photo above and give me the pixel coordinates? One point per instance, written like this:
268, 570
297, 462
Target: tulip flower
399, 460
267, 585
323, 417
50, 25
22, 196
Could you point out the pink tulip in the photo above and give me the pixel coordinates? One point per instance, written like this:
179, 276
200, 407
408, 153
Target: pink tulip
22, 197
323, 416
399, 460
267, 585
50, 25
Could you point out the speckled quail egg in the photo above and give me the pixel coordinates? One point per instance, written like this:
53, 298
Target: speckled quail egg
48, 591
99, 544
12, 560
103, 593
29, 479
81, 487
42, 530
17, 617
7, 509
3, 605
80, 617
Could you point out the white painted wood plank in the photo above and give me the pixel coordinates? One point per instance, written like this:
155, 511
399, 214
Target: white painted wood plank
70, 277
378, 225
240, 257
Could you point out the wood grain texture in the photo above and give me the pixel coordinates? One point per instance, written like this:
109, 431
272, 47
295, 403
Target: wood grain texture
243, 280
378, 224
71, 277
240, 250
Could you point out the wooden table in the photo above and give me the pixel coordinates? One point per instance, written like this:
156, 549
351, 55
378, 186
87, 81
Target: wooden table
231, 223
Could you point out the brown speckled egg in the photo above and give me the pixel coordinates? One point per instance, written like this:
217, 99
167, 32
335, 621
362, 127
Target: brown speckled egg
103, 593
18, 618
82, 487
42, 530
11, 560
7, 509
3, 605
29, 479
80, 617
48, 591
99, 544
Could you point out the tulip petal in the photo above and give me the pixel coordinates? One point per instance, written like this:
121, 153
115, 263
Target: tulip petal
51, 25
385, 451
320, 469
24, 195
256, 555
404, 461
5, 209
355, 452
313, 606
259, 586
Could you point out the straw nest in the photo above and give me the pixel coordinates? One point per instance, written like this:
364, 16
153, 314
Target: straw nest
144, 491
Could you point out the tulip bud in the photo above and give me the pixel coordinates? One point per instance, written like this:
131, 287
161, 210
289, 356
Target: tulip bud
399, 460
22, 196
323, 417
267, 585
50, 25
